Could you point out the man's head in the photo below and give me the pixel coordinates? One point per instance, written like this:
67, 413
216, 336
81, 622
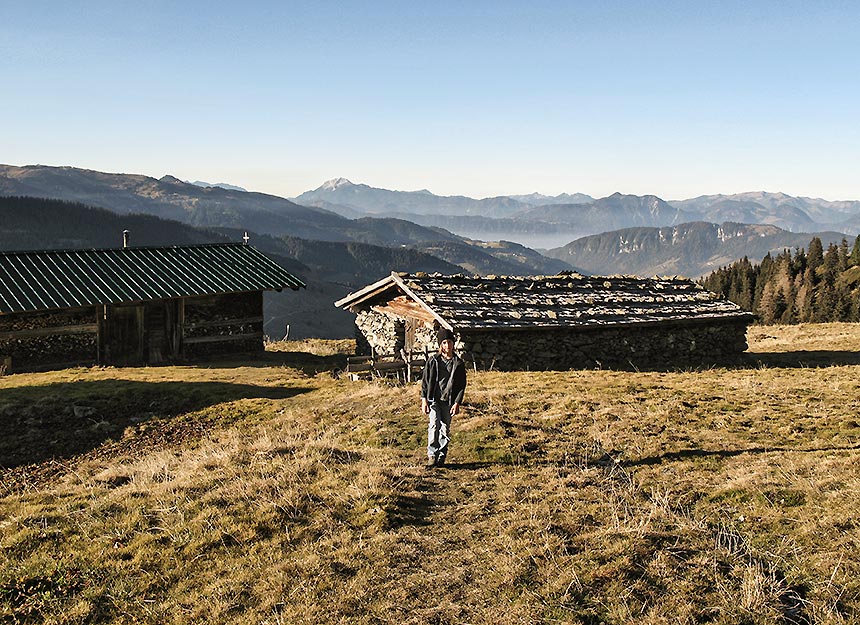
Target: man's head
445, 338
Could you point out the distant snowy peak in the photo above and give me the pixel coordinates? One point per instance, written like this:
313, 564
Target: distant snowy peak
334, 184
219, 185
539, 199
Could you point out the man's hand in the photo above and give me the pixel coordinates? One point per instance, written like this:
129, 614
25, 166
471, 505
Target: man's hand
455, 409
425, 406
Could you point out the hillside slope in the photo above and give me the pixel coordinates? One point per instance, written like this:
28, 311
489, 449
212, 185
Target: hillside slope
207, 207
169, 198
330, 269
261, 493
691, 249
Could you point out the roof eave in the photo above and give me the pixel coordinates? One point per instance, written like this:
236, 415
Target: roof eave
366, 293
444, 323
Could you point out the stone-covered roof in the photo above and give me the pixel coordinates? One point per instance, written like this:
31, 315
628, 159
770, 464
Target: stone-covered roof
565, 300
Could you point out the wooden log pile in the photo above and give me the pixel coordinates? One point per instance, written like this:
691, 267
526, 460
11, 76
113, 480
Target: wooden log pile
30, 340
30, 321
222, 324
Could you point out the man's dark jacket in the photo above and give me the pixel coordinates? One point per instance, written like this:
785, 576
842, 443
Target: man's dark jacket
452, 389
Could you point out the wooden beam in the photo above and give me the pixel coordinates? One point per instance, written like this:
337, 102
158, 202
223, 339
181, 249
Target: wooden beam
227, 322
84, 328
410, 293
363, 294
405, 306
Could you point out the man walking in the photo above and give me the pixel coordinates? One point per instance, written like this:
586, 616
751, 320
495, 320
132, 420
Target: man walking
442, 388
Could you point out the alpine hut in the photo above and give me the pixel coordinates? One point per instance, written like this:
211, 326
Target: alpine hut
551, 322
133, 305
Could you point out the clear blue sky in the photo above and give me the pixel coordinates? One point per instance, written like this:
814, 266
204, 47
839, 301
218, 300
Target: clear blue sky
474, 98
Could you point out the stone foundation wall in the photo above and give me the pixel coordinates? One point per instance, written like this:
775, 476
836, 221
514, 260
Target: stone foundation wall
648, 346
657, 346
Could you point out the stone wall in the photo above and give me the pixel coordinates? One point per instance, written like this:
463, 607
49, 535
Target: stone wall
649, 346
425, 338
664, 345
384, 333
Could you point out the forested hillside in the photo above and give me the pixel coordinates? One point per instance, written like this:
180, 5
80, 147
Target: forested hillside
796, 287
30, 223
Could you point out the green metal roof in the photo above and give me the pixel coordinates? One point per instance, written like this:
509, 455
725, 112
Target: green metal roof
50, 279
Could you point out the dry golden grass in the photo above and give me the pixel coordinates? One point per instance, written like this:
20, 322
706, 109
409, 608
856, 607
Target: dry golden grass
319, 347
272, 494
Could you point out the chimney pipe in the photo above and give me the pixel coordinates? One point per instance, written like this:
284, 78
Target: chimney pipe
124, 239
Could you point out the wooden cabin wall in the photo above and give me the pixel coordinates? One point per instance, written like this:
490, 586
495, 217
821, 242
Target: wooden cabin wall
134, 334
222, 324
45, 340
162, 330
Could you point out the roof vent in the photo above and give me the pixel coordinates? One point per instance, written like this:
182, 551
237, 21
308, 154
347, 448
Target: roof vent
124, 239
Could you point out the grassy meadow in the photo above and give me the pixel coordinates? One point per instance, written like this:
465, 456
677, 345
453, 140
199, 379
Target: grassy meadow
272, 492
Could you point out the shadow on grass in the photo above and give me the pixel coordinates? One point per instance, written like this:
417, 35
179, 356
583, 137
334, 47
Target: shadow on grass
307, 363
471, 466
686, 454
751, 360
800, 359
62, 420
409, 510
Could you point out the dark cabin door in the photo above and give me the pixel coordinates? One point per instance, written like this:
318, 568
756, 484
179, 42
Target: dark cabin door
124, 343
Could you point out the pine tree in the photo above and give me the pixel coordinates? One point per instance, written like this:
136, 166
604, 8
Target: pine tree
824, 303
854, 307
831, 264
804, 299
841, 303
854, 258
808, 286
815, 255
843, 255
765, 271
767, 310
798, 263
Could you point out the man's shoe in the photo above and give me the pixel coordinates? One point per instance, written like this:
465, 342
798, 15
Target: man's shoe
430, 464
440, 462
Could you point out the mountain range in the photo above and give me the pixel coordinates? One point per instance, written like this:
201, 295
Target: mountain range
330, 269
541, 221
222, 185
690, 249
356, 234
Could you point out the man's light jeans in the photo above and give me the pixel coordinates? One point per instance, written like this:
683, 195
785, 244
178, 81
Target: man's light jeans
438, 431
